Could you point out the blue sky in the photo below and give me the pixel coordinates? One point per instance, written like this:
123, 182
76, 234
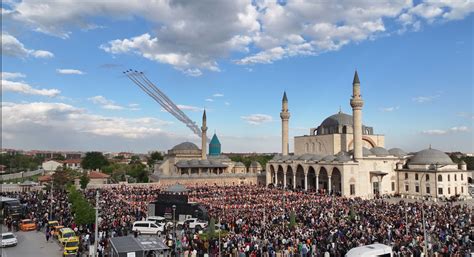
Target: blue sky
63, 88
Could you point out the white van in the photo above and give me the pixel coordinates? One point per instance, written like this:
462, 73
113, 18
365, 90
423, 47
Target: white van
373, 250
157, 219
147, 227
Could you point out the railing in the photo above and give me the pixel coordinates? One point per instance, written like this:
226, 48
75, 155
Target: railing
23, 174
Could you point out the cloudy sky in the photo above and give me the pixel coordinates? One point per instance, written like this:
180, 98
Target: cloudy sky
63, 87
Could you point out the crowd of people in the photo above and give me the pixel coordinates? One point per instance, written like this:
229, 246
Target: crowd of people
260, 221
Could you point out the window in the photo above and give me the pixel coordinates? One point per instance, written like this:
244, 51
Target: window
428, 190
417, 189
462, 177
455, 177
440, 191
440, 178
449, 190
455, 190
407, 188
462, 190
427, 177
416, 176
353, 189
449, 177
406, 175
393, 186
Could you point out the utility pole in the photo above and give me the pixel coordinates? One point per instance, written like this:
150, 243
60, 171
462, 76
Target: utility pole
96, 233
220, 227
51, 197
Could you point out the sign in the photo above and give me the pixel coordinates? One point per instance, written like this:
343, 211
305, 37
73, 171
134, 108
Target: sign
131, 254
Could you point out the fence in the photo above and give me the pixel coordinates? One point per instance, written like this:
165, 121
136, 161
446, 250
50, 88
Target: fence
8, 188
23, 174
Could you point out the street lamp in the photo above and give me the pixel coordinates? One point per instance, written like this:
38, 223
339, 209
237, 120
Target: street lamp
174, 225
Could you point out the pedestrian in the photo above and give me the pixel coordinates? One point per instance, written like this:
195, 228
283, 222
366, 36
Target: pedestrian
47, 236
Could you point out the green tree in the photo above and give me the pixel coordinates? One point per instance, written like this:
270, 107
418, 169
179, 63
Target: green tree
139, 172
62, 177
84, 213
94, 160
154, 157
135, 160
292, 220
84, 181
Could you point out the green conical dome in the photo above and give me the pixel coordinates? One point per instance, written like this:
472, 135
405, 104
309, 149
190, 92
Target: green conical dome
214, 146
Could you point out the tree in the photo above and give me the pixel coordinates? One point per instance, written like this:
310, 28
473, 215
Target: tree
154, 157
292, 220
135, 160
84, 213
84, 181
62, 177
94, 160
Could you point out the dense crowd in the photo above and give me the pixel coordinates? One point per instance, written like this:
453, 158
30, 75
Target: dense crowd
261, 221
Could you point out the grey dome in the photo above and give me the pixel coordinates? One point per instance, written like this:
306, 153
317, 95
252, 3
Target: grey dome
366, 151
193, 162
397, 152
329, 158
239, 164
176, 188
204, 162
337, 119
317, 157
276, 157
215, 162
343, 156
285, 158
182, 163
431, 156
379, 151
305, 157
185, 146
255, 164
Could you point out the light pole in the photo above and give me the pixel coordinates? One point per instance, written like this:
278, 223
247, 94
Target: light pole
425, 245
220, 227
174, 225
51, 197
96, 232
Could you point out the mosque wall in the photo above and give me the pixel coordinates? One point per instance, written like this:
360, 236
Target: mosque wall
210, 181
414, 183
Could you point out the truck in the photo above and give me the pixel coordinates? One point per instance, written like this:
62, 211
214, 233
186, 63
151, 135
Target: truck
10, 207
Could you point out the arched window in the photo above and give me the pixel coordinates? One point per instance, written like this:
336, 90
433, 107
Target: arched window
307, 147
313, 147
406, 175
344, 130
427, 177
320, 148
440, 178
455, 177
416, 176
449, 178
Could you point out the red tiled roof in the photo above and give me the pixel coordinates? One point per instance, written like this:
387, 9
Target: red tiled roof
72, 161
44, 178
97, 175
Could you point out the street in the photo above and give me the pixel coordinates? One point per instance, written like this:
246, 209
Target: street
32, 244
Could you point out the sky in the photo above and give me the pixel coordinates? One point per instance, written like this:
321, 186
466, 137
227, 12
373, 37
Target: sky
63, 86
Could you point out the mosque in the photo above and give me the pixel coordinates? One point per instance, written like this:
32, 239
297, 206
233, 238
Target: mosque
186, 164
343, 156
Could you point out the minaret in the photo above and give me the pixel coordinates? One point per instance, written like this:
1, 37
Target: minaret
285, 117
357, 103
204, 136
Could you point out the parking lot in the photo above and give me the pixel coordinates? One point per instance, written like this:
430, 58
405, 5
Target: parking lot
32, 244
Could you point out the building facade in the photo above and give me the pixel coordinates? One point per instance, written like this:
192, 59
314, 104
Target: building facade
345, 157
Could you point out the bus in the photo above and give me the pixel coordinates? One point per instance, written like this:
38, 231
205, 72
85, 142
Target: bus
373, 250
10, 207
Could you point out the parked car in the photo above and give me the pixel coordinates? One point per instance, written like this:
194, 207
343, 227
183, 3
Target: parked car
27, 225
71, 246
147, 227
8, 239
193, 223
56, 230
52, 223
65, 234
160, 221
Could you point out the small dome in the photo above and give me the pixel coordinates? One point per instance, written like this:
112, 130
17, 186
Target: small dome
204, 162
255, 164
366, 151
276, 157
215, 162
379, 151
294, 157
185, 146
285, 158
397, 152
343, 156
239, 164
329, 158
193, 162
431, 156
305, 157
317, 157
337, 119
182, 163
176, 188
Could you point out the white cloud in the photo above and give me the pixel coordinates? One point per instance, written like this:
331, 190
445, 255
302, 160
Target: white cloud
218, 95
73, 120
69, 71
446, 131
425, 99
469, 115
209, 100
390, 109
111, 105
12, 75
190, 108
227, 103
11, 46
257, 119
192, 40
24, 88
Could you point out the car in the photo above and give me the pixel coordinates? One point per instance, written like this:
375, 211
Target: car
56, 229
147, 227
160, 221
27, 225
193, 223
64, 234
71, 246
8, 239
53, 223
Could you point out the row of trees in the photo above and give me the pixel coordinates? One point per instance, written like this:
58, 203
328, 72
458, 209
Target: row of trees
262, 159
20, 162
84, 213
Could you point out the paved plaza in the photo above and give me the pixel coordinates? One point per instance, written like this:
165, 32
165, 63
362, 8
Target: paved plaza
32, 244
